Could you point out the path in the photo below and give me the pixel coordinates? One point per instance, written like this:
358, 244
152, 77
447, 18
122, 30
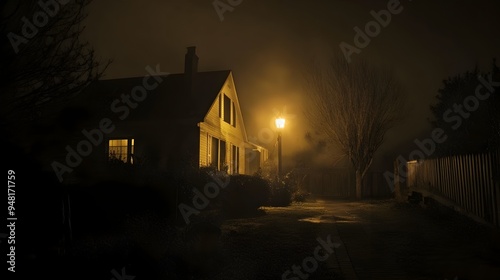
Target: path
378, 240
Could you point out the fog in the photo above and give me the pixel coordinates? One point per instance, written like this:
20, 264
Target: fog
267, 43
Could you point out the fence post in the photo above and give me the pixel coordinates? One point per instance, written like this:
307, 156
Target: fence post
495, 161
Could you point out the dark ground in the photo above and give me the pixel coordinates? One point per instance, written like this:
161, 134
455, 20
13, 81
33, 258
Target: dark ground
378, 240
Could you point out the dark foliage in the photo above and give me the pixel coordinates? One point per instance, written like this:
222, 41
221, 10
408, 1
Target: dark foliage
470, 131
245, 194
296, 182
281, 194
300, 196
43, 64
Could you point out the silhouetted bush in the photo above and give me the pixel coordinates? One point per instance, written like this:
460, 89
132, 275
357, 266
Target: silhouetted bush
281, 194
106, 206
300, 196
245, 194
286, 189
132, 191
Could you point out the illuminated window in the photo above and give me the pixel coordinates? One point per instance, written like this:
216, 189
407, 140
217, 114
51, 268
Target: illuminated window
121, 149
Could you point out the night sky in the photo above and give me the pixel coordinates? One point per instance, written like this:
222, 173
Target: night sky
103, 196
266, 44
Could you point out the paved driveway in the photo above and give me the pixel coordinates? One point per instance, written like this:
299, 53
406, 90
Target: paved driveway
371, 240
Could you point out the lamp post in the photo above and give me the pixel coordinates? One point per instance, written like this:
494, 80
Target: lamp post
280, 124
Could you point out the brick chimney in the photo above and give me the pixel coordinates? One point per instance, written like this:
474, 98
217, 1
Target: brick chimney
191, 61
190, 69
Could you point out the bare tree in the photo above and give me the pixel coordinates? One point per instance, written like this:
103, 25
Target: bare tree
353, 105
44, 60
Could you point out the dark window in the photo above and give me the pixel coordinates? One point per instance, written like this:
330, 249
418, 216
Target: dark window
234, 115
235, 159
227, 109
214, 160
220, 105
222, 161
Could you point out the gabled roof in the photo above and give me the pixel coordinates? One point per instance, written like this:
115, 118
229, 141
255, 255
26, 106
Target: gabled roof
170, 100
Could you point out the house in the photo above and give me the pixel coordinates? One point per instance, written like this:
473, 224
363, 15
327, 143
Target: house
188, 119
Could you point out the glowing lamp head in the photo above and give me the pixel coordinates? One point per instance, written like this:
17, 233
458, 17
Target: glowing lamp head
280, 123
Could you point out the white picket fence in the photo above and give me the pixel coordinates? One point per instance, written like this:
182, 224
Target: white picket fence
470, 181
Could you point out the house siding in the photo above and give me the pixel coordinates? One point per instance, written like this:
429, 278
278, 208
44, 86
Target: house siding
215, 126
203, 148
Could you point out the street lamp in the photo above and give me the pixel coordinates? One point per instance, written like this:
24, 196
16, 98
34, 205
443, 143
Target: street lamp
280, 124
